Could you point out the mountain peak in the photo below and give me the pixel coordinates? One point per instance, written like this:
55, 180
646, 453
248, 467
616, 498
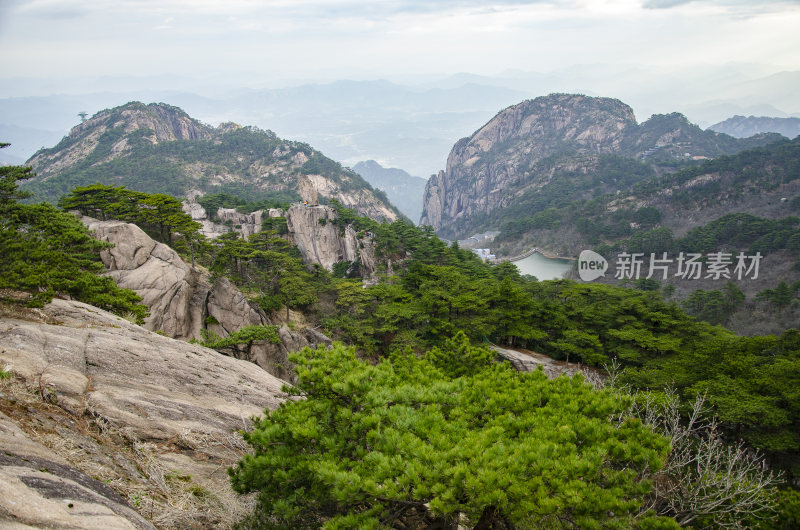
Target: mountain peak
543, 147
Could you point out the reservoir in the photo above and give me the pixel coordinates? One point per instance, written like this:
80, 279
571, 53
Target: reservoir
542, 267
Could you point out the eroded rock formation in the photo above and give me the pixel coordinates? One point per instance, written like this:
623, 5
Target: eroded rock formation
182, 300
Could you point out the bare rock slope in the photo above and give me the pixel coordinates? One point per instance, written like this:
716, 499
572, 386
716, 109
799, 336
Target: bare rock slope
148, 418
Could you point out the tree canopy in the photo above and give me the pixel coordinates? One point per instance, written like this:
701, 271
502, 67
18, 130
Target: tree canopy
403, 441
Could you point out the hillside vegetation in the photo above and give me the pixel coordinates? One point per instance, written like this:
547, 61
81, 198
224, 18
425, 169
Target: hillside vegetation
421, 426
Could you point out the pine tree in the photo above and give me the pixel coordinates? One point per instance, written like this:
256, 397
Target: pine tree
401, 441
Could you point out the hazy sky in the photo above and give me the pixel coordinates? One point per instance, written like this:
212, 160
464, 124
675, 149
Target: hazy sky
264, 40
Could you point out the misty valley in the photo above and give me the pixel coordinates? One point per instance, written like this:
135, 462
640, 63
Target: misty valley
400, 265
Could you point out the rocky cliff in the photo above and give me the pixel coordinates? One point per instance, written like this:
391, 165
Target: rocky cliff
314, 231
540, 146
312, 228
183, 301
158, 148
100, 419
487, 170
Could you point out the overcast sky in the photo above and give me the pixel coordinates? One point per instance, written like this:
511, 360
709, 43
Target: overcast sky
259, 41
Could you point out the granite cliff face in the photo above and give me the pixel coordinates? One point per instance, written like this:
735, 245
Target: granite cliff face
314, 231
102, 418
485, 171
158, 148
538, 145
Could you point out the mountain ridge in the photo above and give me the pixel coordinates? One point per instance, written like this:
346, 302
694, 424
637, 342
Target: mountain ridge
160, 148
743, 127
404, 190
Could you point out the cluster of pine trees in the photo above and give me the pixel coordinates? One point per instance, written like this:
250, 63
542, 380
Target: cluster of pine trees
46, 251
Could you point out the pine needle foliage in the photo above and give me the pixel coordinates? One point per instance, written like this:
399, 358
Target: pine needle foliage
404, 443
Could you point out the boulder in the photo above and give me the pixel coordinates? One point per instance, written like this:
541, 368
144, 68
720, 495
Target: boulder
157, 273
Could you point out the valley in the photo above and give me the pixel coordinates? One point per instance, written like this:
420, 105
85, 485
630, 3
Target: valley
209, 250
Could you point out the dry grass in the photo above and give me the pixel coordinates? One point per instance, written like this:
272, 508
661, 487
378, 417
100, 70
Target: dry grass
13, 306
138, 470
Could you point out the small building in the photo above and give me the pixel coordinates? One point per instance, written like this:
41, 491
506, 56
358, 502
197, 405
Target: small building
484, 253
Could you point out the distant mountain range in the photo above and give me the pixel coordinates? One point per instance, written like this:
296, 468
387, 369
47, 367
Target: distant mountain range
158, 148
743, 127
405, 191
411, 122
350, 121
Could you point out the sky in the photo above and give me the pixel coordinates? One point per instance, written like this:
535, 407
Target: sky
268, 42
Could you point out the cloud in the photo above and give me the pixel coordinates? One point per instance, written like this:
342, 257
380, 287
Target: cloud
52, 9
759, 6
301, 38
663, 4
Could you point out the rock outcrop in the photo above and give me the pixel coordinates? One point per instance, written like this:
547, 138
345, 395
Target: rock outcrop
311, 228
246, 224
314, 231
183, 301
362, 200
151, 418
